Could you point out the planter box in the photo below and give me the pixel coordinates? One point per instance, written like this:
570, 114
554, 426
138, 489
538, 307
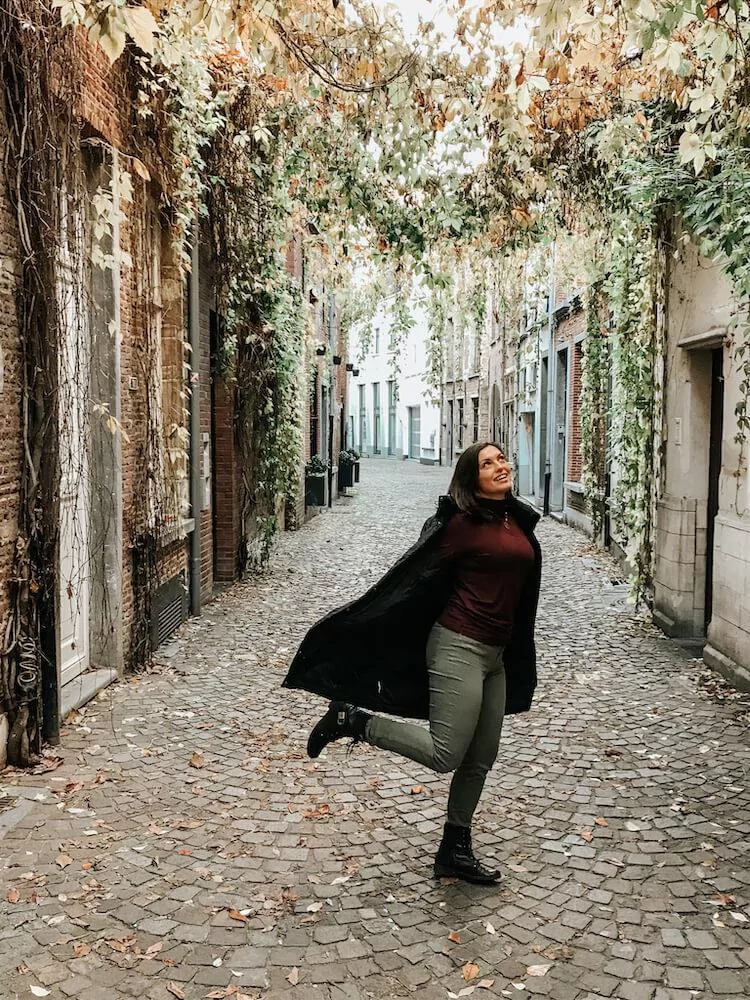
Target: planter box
315, 490
346, 475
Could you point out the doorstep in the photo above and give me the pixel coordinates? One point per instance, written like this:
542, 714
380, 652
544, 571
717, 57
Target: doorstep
83, 688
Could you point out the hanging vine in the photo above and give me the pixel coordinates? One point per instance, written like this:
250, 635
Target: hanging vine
631, 288
46, 193
264, 321
594, 407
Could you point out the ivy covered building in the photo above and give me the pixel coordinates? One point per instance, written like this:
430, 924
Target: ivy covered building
626, 397
151, 447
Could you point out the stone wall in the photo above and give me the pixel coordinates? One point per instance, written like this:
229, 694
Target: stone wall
699, 317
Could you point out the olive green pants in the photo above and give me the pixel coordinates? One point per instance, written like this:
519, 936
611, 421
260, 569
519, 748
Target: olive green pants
467, 704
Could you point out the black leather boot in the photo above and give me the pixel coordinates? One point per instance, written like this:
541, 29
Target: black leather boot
455, 858
340, 720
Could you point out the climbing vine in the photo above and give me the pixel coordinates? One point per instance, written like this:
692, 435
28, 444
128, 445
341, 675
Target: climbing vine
594, 407
631, 289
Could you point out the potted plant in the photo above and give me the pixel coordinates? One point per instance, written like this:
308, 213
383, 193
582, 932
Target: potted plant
355, 463
346, 470
316, 475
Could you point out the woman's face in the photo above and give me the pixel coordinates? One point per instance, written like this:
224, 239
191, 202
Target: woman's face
495, 481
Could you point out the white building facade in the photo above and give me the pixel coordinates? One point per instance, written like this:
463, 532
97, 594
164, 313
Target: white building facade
391, 409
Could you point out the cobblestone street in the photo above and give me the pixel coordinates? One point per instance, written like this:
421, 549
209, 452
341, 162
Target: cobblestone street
187, 847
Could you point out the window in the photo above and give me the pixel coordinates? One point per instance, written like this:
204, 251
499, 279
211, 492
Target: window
475, 417
362, 419
376, 417
377, 340
460, 438
314, 416
392, 397
168, 381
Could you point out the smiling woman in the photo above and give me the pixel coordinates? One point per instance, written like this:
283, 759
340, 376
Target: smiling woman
446, 635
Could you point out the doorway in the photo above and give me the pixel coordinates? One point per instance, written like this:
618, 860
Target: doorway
561, 429
714, 469
543, 421
415, 433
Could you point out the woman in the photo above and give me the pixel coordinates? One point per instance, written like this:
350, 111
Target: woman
446, 635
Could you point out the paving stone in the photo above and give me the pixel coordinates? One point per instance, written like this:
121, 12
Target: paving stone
345, 893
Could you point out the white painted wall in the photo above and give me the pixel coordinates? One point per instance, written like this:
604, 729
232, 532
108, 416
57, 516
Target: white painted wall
409, 372
700, 309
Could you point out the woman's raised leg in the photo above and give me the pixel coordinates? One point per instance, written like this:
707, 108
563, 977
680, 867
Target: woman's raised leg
456, 668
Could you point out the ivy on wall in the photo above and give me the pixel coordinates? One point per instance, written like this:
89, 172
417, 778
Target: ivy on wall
631, 290
595, 406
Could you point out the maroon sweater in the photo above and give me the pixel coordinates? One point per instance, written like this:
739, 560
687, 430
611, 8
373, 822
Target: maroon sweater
492, 560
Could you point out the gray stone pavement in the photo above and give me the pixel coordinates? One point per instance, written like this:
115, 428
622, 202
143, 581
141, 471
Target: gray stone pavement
186, 847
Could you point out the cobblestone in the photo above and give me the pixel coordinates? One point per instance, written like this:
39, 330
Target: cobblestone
187, 839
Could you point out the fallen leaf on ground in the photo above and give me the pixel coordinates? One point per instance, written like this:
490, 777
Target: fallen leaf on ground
417, 790
80, 949
740, 917
490, 929
724, 899
614, 861
23, 969
154, 948
39, 991
470, 971
538, 970
601, 821
122, 945
64, 860
318, 811
588, 835
716, 921
13, 895
49, 764
314, 907
293, 976
175, 990
236, 915
197, 760
455, 937
485, 984
558, 952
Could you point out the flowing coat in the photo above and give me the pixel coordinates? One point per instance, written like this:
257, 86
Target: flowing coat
372, 652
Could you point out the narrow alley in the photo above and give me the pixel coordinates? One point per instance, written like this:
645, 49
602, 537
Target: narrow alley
186, 847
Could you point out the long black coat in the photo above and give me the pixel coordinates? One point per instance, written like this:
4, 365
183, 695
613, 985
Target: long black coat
372, 652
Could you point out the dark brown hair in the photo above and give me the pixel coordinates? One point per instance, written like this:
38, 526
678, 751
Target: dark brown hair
465, 482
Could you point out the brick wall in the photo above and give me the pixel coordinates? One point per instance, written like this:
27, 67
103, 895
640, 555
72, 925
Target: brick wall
206, 516
105, 104
575, 462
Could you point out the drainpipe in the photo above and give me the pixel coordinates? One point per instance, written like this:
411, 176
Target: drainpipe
551, 386
194, 339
